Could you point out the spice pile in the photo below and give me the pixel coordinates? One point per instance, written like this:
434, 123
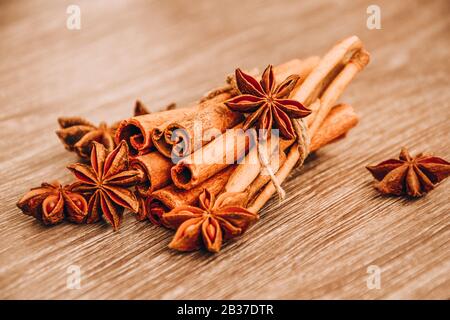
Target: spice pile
210, 189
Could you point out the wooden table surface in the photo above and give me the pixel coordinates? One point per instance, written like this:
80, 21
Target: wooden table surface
333, 225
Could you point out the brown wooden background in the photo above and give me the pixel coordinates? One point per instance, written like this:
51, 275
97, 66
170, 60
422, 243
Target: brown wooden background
333, 225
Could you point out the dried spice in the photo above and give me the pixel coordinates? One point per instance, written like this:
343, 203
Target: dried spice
267, 102
150, 209
141, 214
155, 211
51, 203
78, 134
106, 181
413, 176
140, 109
210, 223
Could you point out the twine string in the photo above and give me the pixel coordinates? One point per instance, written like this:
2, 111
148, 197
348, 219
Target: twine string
264, 160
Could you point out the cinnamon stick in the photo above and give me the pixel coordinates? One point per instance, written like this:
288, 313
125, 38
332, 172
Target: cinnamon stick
156, 172
358, 61
136, 131
339, 121
327, 69
212, 158
217, 117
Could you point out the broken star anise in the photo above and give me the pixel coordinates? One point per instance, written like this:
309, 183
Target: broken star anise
106, 180
408, 175
208, 224
51, 202
267, 102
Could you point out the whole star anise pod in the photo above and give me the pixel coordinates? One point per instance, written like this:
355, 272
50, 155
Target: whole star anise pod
208, 224
106, 180
51, 202
267, 102
78, 134
408, 175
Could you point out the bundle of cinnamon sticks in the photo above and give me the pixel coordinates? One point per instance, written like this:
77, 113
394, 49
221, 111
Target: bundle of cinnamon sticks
205, 170
166, 146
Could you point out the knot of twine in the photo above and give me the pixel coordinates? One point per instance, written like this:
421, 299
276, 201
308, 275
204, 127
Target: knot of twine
264, 160
302, 141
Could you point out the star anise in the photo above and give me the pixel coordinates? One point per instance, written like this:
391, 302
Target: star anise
408, 175
106, 180
209, 223
140, 109
51, 202
78, 134
267, 102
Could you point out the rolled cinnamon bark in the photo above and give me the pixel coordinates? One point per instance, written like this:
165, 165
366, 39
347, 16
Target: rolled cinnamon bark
358, 61
156, 172
212, 158
325, 84
339, 121
225, 150
165, 199
300, 67
186, 132
217, 117
326, 70
136, 131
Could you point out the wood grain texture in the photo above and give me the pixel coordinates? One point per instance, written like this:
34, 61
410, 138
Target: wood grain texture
333, 224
